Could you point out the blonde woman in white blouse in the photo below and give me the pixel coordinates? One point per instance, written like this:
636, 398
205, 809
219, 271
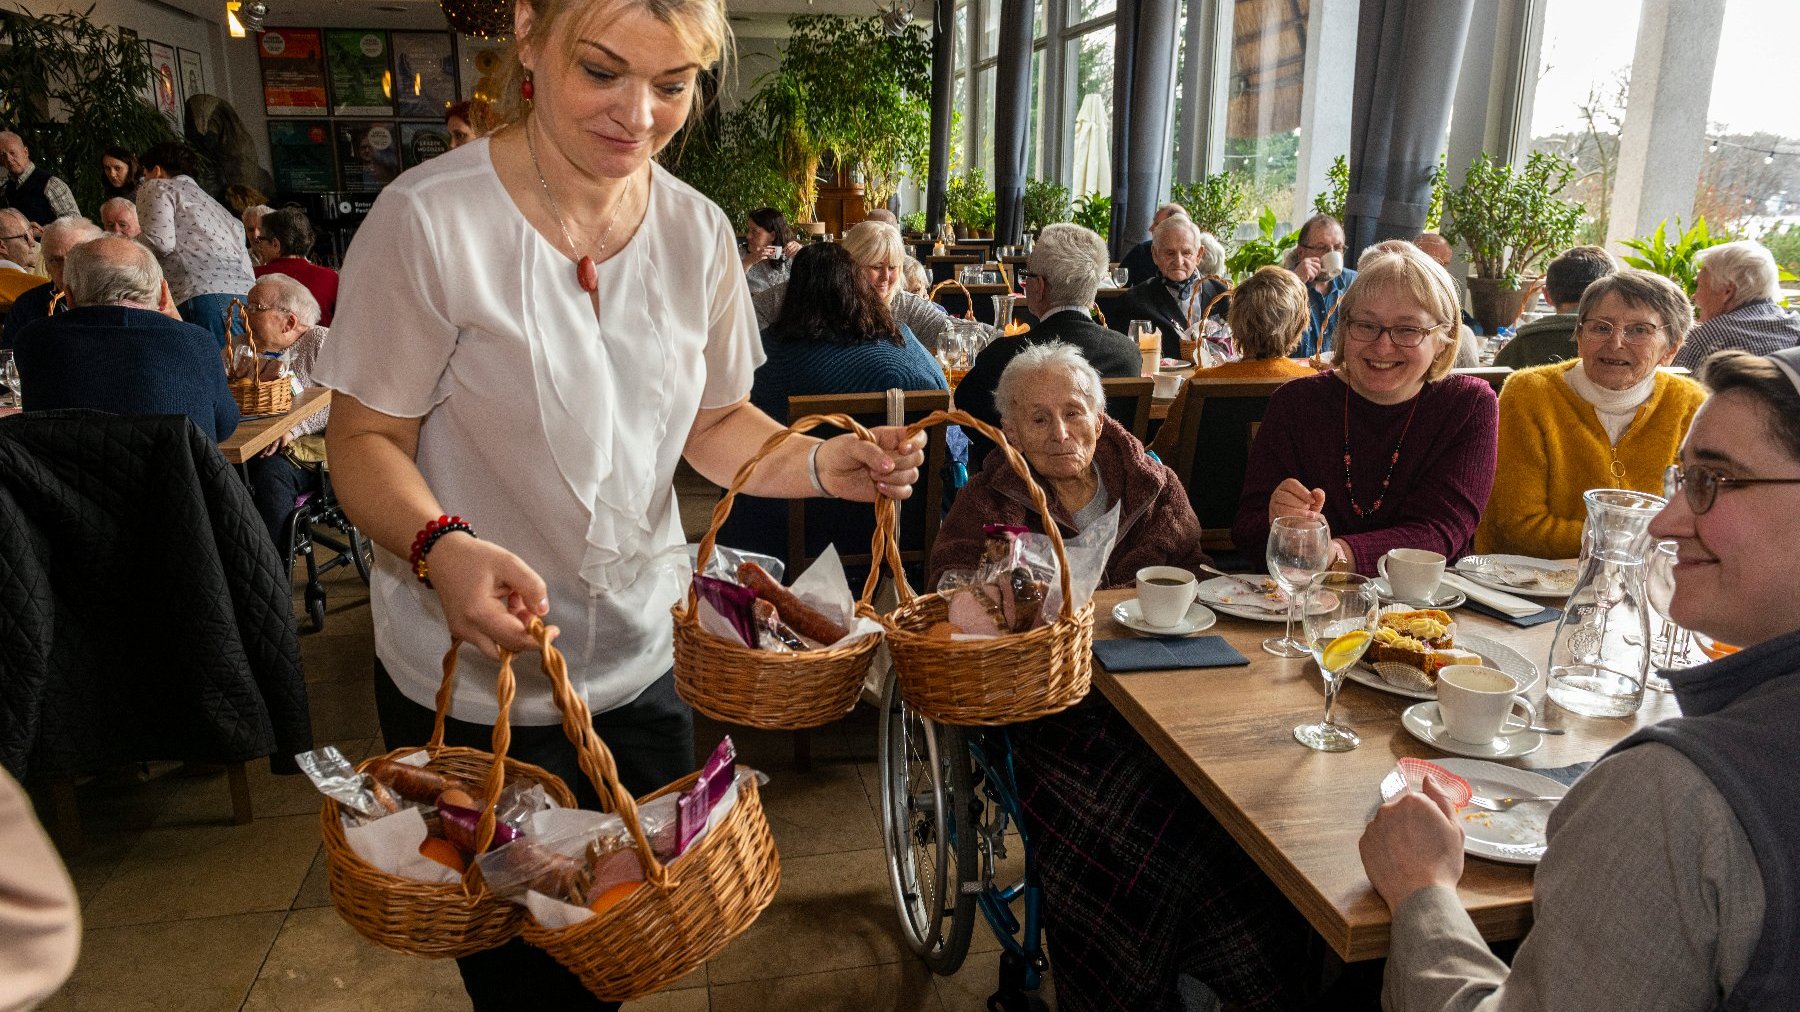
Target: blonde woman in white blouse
198, 242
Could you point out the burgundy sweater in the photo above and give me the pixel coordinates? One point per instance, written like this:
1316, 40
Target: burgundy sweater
1440, 484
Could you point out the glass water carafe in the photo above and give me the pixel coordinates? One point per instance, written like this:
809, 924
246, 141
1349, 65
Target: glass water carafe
1600, 657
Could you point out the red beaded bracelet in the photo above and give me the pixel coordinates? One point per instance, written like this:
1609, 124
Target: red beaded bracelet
428, 536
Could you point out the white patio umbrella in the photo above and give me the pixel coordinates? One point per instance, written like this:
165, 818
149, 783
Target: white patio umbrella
1093, 147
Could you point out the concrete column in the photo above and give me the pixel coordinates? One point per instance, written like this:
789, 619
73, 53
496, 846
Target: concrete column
1327, 88
1664, 136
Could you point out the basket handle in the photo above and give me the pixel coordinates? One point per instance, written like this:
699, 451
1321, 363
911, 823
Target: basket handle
904, 589
968, 300
504, 689
884, 507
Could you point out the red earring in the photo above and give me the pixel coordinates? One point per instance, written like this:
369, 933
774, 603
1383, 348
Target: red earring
525, 89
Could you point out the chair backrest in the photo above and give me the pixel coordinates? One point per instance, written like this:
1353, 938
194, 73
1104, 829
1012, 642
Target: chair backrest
1206, 440
851, 525
1494, 375
1112, 303
1128, 400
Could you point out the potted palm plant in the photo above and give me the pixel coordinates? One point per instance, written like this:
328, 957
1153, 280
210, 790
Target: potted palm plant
1511, 221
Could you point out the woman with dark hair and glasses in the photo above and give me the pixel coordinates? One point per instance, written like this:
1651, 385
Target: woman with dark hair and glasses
1672, 875
1606, 419
1390, 447
769, 248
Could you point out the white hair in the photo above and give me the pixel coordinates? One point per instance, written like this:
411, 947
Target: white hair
8, 136
117, 202
111, 270
72, 230
1049, 357
292, 297
1070, 260
1746, 265
1212, 251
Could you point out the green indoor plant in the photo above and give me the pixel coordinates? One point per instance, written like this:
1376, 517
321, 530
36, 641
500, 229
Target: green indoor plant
1511, 221
1094, 211
1337, 189
1264, 249
969, 201
1217, 204
1046, 203
1673, 260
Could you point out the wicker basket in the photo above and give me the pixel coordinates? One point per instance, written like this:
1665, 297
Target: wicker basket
687, 910
1004, 680
433, 919
759, 688
254, 395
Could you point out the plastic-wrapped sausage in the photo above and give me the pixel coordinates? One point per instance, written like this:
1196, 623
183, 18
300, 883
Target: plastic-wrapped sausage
800, 616
414, 783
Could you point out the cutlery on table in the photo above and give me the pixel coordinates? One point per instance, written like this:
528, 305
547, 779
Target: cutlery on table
1504, 804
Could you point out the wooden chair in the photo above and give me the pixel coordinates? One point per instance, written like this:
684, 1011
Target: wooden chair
1128, 400
1494, 375
1206, 440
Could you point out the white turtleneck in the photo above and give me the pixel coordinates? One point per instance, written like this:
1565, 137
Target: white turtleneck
1615, 408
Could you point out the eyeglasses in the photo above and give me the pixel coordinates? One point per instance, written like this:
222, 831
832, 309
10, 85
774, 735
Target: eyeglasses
1702, 484
1634, 333
10, 238
1403, 337
260, 307
1024, 275
1336, 247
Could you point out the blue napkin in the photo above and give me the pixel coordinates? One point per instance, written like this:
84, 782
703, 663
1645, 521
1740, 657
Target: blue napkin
1547, 615
1565, 775
1167, 654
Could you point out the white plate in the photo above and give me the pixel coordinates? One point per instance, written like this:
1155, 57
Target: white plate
1497, 655
1230, 598
1515, 837
1130, 614
1465, 568
1423, 722
1443, 599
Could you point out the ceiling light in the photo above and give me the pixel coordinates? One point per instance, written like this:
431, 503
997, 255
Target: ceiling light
895, 16
1769, 159
1712, 148
231, 18
255, 12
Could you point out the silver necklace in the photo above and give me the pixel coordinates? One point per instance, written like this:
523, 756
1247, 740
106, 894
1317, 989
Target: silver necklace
586, 273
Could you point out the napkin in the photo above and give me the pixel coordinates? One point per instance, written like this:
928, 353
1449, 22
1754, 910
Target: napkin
1514, 607
1167, 654
1547, 615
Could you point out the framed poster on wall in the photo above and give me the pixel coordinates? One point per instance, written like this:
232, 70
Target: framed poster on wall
421, 142
368, 155
424, 74
293, 72
301, 151
357, 65
479, 62
163, 81
193, 73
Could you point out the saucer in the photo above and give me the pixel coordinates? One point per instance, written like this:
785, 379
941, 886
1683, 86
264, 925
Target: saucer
1444, 598
1423, 722
1199, 618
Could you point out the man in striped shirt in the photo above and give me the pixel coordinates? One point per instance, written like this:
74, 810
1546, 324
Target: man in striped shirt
1736, 296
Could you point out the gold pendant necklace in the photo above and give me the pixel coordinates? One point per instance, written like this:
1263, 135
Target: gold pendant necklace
587, 274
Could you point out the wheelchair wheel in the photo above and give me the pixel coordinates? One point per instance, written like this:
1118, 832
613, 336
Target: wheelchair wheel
929, 812
362, 552
315, 607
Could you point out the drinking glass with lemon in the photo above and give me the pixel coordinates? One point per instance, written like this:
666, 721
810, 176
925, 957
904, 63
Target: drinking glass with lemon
1339, 614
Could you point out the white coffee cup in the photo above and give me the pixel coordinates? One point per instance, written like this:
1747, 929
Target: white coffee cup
1167, 384
1164, 594
1332, 263
1475, 702
1413, 574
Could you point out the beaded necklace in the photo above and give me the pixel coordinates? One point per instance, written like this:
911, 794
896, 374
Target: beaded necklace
1393, 460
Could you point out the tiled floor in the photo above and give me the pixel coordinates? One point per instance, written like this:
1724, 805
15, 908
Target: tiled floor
185, 911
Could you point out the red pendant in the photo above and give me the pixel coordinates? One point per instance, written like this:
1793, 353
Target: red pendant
587, 274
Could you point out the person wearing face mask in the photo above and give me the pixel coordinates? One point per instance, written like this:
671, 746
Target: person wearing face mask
1609, 418
1182, 290
1671, 880
876, 246
1318, 260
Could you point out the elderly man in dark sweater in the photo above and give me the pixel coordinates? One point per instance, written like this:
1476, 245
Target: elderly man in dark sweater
1060, 278
122, 348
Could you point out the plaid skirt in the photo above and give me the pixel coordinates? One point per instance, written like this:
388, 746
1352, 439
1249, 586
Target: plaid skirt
1140, 882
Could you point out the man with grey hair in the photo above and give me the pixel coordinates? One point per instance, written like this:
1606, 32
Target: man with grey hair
119, 216
42, 197
1317, 258
1736, 293
60, 236
120, 347
284, 320
1139, 263
1182, 292
18, 248
1060, 278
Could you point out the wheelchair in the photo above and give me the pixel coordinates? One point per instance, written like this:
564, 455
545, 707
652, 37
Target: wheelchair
318, 521
948, 797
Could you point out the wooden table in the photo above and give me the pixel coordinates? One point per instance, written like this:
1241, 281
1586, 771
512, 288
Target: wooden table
254, 435
1228, 734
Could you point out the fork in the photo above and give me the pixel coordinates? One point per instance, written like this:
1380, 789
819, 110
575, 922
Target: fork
1245, 582
1504, 804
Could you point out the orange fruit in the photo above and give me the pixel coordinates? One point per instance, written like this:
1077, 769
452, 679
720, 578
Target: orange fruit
607, 899
443, 852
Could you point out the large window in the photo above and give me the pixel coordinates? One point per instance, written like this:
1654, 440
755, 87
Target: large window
1750, 178
1262, 131
1091, 161
1584, 76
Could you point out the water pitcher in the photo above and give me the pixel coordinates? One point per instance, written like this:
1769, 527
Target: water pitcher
1601, 654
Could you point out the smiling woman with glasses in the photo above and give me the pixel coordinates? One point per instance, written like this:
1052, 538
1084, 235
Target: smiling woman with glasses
1606, 419
1391, 448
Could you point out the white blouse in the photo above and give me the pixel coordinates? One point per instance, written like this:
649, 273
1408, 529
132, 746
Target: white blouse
554, 436
199, 243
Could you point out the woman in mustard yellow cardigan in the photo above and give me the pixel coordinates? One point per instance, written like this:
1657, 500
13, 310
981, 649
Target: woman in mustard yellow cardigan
1608, 419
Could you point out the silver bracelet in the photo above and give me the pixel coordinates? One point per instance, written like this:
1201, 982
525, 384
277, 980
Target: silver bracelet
812, 470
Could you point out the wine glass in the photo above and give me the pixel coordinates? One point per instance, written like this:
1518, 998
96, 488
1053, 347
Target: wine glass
1659, 587
1299, 549
9, 376
1121, 277
1340, 614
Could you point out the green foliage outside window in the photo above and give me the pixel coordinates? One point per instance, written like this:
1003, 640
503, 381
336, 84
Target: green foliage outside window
1217, 204
1265, 249
1337, 189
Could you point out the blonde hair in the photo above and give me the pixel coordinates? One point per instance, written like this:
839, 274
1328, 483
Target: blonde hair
1269, 313
1413, 275
917, 281
699, 25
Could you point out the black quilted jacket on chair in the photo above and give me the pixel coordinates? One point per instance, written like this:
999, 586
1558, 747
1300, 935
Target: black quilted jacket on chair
144, 613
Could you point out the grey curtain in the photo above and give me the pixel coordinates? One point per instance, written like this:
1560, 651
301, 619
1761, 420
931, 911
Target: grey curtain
1012, 119
1407, 56
1143, 71
943, 90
